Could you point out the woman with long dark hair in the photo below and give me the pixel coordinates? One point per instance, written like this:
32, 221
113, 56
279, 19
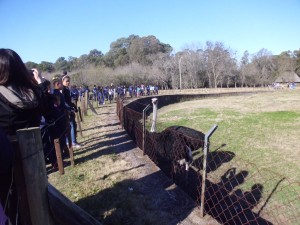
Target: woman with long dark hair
22, 103
21, 98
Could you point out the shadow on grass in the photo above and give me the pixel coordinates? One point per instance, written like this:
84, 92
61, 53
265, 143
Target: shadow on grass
117, 145
122, 171
100, 137
106, 130
101, 126
214, 160
149, 200
223, 201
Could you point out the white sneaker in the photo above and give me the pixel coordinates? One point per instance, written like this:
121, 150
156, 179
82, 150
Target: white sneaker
75, 145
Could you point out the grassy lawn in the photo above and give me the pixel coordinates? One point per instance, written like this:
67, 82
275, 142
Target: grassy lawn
262, 130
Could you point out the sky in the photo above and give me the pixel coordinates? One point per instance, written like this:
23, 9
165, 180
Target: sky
45, 30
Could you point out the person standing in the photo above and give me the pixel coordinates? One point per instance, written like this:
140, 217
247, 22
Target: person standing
74, 94
57, 91
95, 93
68, 101
22, 103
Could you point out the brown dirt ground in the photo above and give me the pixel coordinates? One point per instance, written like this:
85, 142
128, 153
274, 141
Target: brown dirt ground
109, 159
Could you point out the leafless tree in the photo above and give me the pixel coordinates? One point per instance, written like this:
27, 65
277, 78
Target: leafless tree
264, 66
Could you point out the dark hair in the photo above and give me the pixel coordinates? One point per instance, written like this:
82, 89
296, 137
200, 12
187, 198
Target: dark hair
14, 71
65, 76
45, 85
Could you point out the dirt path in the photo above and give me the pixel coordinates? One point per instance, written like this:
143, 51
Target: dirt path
115, 183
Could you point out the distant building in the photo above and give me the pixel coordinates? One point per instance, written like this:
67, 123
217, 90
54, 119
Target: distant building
288, 77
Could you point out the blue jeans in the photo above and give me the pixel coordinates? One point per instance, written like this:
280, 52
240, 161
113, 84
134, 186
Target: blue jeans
73, 128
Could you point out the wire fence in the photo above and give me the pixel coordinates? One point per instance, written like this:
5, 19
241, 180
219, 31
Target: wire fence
234, 191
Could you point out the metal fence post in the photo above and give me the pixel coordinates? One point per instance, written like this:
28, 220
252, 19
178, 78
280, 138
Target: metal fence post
205, 151
155, 103
144, 126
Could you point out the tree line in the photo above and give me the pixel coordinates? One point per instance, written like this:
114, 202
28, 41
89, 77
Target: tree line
136, 60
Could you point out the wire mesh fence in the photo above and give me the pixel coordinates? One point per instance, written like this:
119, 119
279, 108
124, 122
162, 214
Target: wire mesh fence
236, 191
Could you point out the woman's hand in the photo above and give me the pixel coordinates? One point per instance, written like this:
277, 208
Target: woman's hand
37, 75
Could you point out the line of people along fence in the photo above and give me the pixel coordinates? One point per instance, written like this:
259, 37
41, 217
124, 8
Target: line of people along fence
223, 199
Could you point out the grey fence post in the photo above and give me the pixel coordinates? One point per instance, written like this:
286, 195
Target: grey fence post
155, 103
144, 126
205, 151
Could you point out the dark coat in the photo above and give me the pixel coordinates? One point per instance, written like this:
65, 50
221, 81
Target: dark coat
13, 118
67, 95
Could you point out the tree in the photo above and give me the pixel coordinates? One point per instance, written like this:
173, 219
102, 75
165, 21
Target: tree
141, 49
95, 57
285, 61
243, 67
46, 67
118, 55
73, 63
61, 64
265, 68
191, 68
162, 68
31, 65
296, 54
217, 60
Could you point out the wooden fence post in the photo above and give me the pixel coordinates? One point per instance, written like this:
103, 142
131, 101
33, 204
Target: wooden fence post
34, 169
59, 156
78, 122
86, 99
19, 179
83, 106
80, 114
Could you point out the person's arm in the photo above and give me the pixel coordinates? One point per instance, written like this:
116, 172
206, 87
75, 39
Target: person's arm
68, 102
37, 75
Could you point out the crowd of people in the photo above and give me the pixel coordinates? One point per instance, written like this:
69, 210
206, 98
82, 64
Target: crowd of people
276, 85
60, 119
29, 100
103, 94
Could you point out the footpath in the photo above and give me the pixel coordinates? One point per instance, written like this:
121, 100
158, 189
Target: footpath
117, 184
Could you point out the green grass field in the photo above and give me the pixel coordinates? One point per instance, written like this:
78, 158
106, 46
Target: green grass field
262, 130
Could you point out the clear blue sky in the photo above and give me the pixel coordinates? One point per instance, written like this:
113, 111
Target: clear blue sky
44, 30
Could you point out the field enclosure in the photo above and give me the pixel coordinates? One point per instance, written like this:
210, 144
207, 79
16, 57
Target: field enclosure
257, 143
252, 168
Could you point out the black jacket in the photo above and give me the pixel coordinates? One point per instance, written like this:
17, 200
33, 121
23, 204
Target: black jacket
67, 94
13, 118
